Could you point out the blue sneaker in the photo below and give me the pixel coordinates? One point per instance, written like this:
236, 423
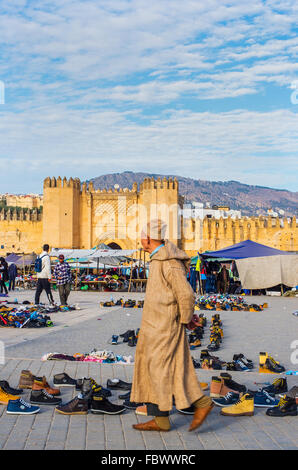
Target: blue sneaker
21, 407
114, 339
229, 399
264, 399
240, 366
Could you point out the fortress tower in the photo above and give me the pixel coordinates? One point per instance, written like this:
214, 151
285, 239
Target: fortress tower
61, 212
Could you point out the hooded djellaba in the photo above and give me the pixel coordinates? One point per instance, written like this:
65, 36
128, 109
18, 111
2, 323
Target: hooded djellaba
163, 365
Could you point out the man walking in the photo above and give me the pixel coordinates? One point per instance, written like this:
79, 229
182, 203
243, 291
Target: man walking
163, 368
12, 274
62, 274
44, 276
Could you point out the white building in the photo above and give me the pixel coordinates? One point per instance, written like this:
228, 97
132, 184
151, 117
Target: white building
197, 210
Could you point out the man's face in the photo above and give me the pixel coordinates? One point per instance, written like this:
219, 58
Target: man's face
61, 259
145, 244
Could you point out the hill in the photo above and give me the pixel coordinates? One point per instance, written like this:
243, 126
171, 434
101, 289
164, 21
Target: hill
251, 200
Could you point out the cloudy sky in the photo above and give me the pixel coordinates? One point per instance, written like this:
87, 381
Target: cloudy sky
204, 89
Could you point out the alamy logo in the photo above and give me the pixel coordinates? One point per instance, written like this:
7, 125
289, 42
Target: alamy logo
294, 355
2, 92
294, 95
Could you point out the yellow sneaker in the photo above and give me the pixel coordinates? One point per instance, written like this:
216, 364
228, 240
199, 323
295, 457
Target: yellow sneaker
204, 386
243, 407
5, 397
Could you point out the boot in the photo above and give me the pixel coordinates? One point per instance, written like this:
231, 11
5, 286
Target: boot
287, 407
243, 407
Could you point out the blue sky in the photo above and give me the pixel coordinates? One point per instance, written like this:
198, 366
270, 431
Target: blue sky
204, 89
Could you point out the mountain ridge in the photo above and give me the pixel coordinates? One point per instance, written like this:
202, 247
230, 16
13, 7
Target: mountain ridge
252, 200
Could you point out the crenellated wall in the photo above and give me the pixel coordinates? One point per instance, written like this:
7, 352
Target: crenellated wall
76, 215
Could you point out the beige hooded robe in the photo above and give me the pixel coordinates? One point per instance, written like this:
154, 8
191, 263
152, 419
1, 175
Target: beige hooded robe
163, 364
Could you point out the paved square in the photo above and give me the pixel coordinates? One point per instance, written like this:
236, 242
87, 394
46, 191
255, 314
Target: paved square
274, 330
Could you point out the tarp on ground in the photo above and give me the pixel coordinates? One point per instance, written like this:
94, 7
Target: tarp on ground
245, 249
267, 271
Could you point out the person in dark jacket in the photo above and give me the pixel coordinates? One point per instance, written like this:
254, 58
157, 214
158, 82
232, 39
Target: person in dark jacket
4, 275
12, 274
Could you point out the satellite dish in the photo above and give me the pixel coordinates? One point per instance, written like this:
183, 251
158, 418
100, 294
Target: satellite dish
116, 186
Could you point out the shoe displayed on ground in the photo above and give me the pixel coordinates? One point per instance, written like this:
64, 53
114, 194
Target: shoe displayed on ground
243, 407
132, 341
63, 380
273, 366
126, 335
77, 406
118, 384
229, 399
101, 405
125, 396
12, 391
131, 405
264, 400
241, 366
5, 397
196, 363
26, 379
187, 411
21, 407
40, 383
220, 386
287, 406
204, 386
279, 385
114, 339
199, 416
41, 397
195, 344
247, 362
149, 426
293, 393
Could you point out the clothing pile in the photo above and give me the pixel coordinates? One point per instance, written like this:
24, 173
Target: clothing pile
103, 357
24, 317
226, 302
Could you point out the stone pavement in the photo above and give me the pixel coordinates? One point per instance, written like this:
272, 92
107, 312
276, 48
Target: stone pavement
273, 330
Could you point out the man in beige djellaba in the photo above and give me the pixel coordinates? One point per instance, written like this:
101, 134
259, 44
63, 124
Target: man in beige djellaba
163, 369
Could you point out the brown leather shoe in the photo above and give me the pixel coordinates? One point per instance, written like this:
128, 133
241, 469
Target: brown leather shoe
26, 379
200, 416
39, 384
149, 426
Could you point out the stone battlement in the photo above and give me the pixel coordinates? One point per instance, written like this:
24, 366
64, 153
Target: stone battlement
32, 215
62, 183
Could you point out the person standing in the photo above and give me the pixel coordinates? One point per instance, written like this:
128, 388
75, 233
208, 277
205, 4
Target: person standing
62, 274
12, 274
4, 275
44, 276
164, 368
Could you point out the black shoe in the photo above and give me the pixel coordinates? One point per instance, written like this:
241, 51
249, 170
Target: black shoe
88, 386
287, 407
234, 385
11, 391
77, 406
131, 405
101, 405
196, 363
272, 365
125, 396
187, 411
118, 384
126, 335
63, 380
132, 341
279, 385
41, 397
247, 362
